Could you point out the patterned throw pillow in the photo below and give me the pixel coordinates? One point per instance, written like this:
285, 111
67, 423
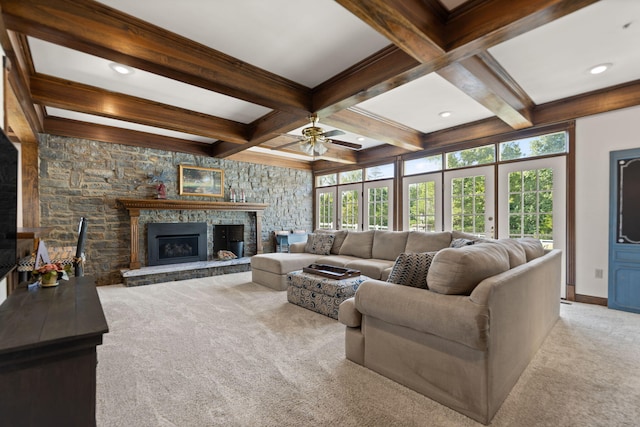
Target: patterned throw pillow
319, 244
411, 269
460, 243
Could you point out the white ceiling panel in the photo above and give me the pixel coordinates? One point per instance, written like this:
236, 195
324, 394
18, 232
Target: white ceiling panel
91, 70
553, 61
302, 40
418, 105
73, 115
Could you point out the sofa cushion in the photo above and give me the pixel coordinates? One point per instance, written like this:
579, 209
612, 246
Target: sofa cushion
319, 244
339, 236
532, 247
370, 267
427, 241
358, 244
388, 244
282, 263
337, 260
517, 254
458, 271
410, 269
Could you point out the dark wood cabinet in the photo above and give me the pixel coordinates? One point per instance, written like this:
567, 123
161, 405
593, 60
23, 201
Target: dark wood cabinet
48, 339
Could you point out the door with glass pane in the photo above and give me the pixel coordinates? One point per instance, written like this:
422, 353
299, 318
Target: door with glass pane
422, 202
349, 208
326, 208
532, 202
469, 200
378, 205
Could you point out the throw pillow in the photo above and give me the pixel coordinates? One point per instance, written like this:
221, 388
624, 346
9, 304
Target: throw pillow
319, 244
411, 269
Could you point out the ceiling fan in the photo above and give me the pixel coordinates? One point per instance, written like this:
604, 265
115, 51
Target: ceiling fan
314, 139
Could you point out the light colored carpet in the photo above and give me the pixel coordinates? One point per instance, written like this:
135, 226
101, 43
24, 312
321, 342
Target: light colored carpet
226, 351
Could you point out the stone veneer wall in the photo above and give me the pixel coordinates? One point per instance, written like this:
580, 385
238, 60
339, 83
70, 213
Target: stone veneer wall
80, 177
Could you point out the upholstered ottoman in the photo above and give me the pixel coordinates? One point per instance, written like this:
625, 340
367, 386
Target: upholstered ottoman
320, 294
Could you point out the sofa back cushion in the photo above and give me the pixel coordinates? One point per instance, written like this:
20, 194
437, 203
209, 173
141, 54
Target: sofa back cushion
358, 244
532, 247
427, 241
388, 244
457, 271
517, 254
338, 239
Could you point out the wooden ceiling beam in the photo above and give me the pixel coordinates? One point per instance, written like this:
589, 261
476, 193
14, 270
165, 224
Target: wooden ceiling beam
84, 130
484, 80
367, 124
59, 93
411, 25
96, 29
487, 23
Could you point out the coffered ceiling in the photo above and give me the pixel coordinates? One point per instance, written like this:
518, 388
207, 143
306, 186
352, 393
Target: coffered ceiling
239, 78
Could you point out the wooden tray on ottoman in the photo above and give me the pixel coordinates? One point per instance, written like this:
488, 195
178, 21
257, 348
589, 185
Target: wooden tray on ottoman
330, 271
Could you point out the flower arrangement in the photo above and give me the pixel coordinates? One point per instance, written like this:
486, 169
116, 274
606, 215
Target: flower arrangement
48, 273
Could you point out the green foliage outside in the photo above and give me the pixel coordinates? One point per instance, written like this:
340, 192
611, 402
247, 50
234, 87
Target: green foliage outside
379, 208
325, 211
350, 210
422, 206
468, 204
471, 157
531, 204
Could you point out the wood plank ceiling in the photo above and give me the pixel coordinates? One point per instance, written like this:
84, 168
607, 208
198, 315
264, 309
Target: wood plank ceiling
426, 38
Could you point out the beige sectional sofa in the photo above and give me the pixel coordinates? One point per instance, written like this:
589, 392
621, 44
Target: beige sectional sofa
464, 336
371, 252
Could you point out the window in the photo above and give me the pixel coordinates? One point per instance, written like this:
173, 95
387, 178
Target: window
351, 176
471, 157
380, 172
553, 143
326, 180
350, 205
326, 210
468, 204
531, 204
423, 165
422, 206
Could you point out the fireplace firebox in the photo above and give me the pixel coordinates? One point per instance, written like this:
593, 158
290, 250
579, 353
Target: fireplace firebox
173, 243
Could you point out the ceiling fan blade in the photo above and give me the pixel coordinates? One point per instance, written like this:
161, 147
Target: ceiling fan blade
279, 147
346, 144
332, 133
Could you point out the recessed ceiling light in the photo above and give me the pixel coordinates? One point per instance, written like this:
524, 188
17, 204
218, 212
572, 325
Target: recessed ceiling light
445, 114
600, 68
360, 138
121, 69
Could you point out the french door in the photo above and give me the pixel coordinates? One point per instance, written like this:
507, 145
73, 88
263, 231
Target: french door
532, 203
378, 205
469, 200
422, 202
360, 206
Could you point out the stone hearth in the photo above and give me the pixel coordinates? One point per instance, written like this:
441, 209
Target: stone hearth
183, 271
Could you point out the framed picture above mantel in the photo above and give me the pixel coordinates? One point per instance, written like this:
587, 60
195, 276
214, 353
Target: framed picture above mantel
199, 181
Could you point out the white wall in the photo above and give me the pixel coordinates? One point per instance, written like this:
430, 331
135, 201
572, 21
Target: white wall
596, 136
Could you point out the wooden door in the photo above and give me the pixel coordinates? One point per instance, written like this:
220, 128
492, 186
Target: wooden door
624, 231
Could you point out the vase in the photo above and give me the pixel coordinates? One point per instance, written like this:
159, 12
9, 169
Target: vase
49, 279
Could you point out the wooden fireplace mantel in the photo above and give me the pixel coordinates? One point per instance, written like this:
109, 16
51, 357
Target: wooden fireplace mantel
134, 206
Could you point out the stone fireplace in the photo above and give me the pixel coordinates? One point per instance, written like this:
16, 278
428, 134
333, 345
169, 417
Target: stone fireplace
174, 243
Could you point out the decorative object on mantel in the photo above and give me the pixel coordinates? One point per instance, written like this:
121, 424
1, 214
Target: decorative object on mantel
199, 181
161, 188
224, 254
